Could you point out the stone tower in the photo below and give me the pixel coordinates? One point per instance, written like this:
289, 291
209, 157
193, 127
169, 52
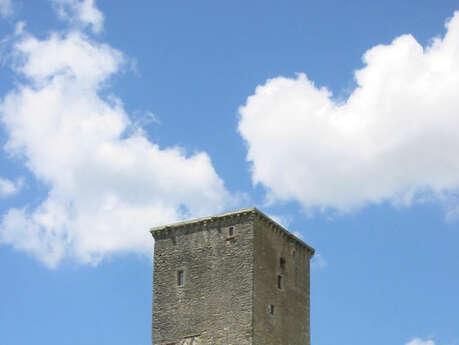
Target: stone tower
237, 278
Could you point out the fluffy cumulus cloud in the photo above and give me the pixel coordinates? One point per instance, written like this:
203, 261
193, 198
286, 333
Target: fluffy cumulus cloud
394, 139
6, 8
107, 183
8, 187
80, 12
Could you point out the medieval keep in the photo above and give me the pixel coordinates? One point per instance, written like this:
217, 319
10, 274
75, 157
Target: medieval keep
237, 278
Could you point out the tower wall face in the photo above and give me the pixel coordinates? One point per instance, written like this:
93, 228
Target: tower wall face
281, 313
214, 304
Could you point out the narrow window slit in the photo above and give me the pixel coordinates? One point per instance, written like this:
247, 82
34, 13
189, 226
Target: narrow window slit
180, 278
279, 282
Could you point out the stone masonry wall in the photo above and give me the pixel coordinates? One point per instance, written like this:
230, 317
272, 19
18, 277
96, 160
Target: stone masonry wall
287, 321
214, 305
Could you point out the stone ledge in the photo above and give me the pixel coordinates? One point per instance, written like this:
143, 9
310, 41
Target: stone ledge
237, 213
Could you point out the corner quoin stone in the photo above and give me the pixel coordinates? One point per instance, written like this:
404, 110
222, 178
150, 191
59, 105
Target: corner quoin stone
236, 278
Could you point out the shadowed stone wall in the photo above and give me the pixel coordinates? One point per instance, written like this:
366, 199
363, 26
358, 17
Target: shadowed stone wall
288, 322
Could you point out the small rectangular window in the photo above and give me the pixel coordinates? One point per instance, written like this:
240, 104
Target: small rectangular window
180, 278
271, 309
282, 263
279, 282
231, 231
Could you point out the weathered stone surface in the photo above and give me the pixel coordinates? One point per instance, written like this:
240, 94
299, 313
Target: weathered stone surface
231, 265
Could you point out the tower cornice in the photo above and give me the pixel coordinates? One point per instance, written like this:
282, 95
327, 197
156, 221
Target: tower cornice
233, 214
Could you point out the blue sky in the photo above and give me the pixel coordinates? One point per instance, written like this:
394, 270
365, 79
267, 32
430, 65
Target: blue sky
337, 118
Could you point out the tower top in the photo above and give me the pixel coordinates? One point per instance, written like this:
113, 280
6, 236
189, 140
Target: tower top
219, 217
233, 278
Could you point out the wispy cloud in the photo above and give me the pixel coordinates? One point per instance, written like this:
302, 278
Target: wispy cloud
6, 8
318, 261
298, 234
81, 13
419, 341
8, 187
283, 220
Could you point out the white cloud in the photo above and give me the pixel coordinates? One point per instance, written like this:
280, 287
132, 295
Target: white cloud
418, 341
8, 187
395, 139
6, 8
80, 12
107, 183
